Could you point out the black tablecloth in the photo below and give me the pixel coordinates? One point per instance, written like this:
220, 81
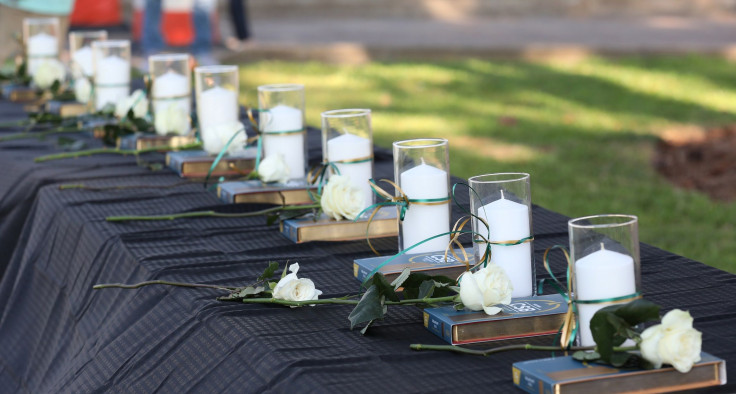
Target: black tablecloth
58, 335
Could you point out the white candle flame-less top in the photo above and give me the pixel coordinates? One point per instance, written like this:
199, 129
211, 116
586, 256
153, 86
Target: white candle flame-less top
600, 275
509, 221
41, 44
173, 88
350, 147
216, 106
424, 221
112, 80
291, 146
82, 57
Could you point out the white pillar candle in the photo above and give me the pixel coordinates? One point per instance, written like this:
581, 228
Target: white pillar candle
509, 221
112, 80
600, 275
216, 106
82, 57
425, 221
284, 118
39, 46
170, 88
350, 147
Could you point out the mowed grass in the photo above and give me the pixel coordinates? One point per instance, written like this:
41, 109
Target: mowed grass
585, 130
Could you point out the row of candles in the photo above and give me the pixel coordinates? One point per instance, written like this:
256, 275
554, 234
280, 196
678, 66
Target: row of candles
604, 248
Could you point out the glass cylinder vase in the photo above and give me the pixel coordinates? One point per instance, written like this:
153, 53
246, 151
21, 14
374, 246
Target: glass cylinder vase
80, 50
422, 172
41, 41
111, 59
606, 266
170, 91
281, 122
347, 143
504, 201
216, 89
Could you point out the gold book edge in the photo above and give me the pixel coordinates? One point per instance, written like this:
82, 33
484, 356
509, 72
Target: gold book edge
277, 197
199, 169
498, 330
72, 109
173, 141
651, 381
348, 230
450, 272
22, 95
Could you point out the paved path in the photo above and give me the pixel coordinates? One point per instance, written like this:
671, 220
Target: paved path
365, 39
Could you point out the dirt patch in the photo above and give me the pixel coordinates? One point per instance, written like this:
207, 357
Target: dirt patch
700, 159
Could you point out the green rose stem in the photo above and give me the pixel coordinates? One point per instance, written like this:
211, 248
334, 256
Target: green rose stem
487, 352
39, 135
344, 301
14, 123
162, 282
99, 189
199, 214
124, 152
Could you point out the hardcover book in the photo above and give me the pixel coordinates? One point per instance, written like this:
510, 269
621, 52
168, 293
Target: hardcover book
147, 141
66, 109
430, 263
255, 191
384, 224
562, 375
18, 93
197, 163
523, 317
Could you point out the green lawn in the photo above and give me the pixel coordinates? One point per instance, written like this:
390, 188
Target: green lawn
584, 130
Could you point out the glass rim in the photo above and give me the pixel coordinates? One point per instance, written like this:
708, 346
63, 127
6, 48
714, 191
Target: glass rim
626, 220
42, 21
346, 113
281, 87
168, 57
111, 43
218, 69
417, 143
85, 34
517, 176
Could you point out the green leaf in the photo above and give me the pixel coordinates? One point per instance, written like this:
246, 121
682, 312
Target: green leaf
624, 360
459, 306
269, 271
286, 269
582, 355
370, 307
251, 291
365, 329
384, 288
426, 289
401, 278
415, 280
271, 219
638, 311
603, 333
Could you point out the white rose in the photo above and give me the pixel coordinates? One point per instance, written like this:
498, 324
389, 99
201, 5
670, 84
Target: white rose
47, 72
214, 138
674, 342
273, 168
340, 199
485, 288
171, 119
82, 90
137, 101
291, 288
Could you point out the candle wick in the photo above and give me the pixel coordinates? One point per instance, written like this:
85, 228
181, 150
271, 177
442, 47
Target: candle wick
602, 247
422, 159
502, 195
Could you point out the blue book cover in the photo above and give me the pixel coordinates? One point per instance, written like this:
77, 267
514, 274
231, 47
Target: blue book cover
197, 163
560, 375
255, 191
523, 317
433, 263
306, 229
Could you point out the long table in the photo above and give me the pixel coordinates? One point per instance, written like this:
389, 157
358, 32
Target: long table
59, 335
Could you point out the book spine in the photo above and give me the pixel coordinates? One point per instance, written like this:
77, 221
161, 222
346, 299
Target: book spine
290, 231
530, 382
437, 327
361, 273
128, 142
